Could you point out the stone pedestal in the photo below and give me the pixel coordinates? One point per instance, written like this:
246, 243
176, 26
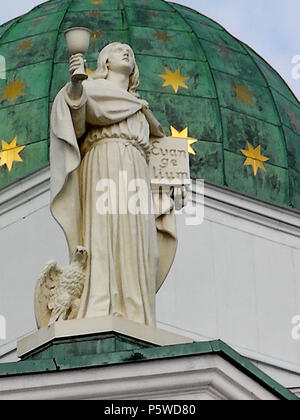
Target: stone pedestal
93, 336
98, 366
112, 358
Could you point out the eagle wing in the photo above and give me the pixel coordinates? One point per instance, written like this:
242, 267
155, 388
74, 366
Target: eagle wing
45, 291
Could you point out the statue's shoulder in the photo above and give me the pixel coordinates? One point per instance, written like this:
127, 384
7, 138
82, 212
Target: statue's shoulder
92, 85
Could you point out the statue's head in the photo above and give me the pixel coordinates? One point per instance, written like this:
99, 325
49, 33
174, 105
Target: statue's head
119, 58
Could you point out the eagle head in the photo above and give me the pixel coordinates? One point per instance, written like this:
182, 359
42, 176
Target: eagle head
80, 255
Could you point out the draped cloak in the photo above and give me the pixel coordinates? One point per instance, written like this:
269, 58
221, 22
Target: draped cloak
129, 255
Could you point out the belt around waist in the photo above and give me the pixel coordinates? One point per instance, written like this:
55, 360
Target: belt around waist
86, 148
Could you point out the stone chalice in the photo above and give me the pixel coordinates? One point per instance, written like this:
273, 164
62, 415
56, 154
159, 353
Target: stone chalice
78, 41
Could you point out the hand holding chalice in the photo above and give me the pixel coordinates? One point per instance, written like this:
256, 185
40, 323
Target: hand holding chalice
78, 41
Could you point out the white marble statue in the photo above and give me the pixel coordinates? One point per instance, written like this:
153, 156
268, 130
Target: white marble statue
100, 128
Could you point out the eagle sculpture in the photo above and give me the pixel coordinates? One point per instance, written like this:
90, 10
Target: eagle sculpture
58, 291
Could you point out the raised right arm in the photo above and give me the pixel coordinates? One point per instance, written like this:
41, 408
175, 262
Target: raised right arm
76, 97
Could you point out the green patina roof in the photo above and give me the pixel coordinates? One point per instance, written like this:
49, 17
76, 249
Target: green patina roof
163, 35
113, 348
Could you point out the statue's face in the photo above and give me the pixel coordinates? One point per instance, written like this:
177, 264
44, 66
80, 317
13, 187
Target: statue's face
121, 59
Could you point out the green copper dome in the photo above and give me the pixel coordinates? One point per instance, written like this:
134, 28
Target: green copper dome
193, 73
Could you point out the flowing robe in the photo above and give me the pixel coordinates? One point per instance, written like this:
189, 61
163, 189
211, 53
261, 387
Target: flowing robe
130, 252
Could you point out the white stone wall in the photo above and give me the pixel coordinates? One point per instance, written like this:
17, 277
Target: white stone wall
236, 276
29, 238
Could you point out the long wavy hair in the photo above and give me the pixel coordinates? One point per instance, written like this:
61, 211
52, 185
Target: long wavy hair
102, 68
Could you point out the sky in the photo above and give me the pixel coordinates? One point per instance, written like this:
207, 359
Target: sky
270, 27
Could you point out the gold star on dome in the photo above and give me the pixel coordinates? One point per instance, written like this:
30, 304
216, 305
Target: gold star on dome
25, 45
10, 153
13, 90
96, 35
95, 13
153, 14
38, 21
254, 158
89, 71
293, 119
174, 79
184, 135
223, 49
243, 94
163, 36
96, 1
